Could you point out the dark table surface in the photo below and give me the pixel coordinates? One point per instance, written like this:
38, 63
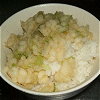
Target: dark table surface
9, 7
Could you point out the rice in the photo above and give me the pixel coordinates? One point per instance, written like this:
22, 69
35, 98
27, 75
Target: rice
52, 66
53, 54
84, 59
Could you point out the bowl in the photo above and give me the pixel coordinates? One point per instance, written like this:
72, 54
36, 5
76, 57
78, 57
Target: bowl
12, 25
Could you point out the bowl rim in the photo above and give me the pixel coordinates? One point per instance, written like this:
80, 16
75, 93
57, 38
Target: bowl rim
52, 93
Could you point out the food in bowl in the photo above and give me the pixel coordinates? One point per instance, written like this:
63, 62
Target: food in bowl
53, 54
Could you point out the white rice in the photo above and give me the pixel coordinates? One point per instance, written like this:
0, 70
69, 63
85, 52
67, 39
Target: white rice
84, 61
52, 66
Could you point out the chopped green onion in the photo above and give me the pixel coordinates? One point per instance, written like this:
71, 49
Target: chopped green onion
46, 41
79, 33
45, 67
39, 60
62, 63
51, 37
13, 65
19, 55
25, 67
70, 58
40, 67
30, 65
31, 43
40, 52
54, 87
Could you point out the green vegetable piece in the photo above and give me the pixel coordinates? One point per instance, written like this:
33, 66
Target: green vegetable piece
51, 37
46, 41
70, 58
40, 52
79, 33
25, 67
46, 67
31, 65
43, 66
54, 87
15, 52
62, 63
25, 54
17, 55
13, 65
31, 44
39, 60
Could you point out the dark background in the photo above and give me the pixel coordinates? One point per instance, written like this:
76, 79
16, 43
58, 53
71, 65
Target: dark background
9, 7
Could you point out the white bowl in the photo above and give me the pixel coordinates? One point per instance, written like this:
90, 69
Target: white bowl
12, 25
